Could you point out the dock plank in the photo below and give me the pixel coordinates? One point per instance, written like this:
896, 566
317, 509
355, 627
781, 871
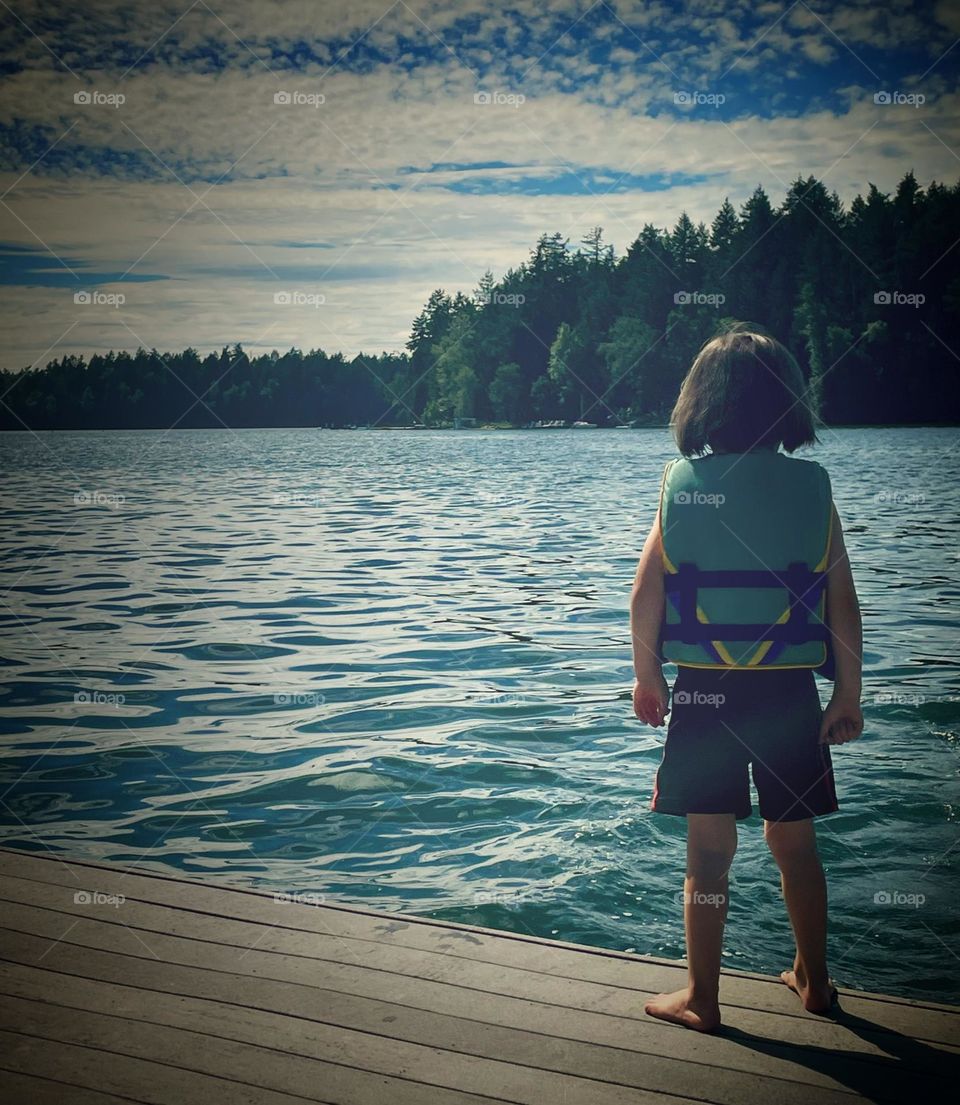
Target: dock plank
350, 1006
16, 1087
460, 941
608, 982
320, 1032
253, 1067
152, 1083
414, 998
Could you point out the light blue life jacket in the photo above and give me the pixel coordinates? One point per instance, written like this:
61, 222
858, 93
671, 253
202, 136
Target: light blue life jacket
746, 542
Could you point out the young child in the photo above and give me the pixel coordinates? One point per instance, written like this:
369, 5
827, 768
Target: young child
745, 585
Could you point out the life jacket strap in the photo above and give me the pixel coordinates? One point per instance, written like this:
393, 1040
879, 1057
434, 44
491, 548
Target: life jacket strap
804, 588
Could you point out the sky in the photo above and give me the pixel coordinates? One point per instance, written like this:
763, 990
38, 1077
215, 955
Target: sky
304, 174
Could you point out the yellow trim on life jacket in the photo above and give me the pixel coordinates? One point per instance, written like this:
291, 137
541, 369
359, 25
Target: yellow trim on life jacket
740, 667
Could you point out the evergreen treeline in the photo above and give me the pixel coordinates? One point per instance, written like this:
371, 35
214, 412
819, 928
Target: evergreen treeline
867, 298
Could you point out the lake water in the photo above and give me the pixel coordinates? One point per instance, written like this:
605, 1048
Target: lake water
394, 669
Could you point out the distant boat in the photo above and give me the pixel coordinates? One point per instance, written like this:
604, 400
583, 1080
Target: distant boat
584, 425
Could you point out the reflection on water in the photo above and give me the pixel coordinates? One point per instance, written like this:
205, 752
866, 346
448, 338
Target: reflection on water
394, 667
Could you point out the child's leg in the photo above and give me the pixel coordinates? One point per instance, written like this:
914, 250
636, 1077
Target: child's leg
794, 847
711, 843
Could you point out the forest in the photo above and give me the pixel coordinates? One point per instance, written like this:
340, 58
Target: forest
866, 297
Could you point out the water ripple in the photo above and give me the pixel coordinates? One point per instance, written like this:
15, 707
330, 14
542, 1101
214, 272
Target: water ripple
395, 668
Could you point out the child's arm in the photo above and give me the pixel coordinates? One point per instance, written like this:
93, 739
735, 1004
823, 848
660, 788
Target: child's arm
843, 718
646, 615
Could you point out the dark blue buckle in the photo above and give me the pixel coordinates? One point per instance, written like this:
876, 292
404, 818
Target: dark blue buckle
803, 586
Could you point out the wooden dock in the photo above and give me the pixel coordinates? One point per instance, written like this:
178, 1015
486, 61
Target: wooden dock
124, 987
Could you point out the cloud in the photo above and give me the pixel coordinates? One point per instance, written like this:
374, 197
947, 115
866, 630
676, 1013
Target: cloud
200, 181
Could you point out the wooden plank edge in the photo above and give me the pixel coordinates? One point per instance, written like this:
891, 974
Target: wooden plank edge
413, 919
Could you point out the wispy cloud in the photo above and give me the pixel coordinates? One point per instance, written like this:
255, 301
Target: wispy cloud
407, 146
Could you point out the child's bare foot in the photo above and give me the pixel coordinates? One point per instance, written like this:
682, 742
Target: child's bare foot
815, 999
681, 1008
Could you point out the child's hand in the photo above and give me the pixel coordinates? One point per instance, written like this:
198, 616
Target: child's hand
650, 698
842, 721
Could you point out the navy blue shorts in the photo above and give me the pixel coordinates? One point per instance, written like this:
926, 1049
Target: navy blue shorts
722, 722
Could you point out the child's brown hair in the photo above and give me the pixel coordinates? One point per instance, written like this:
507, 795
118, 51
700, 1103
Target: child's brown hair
744, 390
